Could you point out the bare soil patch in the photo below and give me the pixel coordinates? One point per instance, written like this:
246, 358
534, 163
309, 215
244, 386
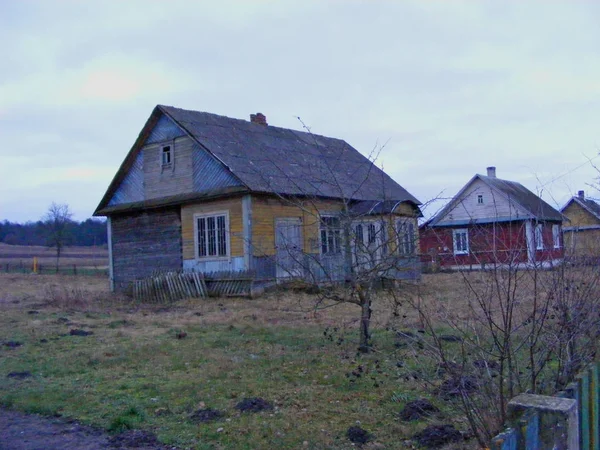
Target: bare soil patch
20, 431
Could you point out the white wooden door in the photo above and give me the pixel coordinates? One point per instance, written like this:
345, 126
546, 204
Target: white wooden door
288, 247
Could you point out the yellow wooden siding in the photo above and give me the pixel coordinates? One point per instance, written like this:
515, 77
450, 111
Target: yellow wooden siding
265, 210
582, 243
236, 233
578, 216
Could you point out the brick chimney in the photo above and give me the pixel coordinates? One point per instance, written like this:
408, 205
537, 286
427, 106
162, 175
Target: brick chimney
491, 172
258, 118
581, 195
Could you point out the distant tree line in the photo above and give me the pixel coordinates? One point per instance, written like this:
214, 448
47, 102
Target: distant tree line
87, 233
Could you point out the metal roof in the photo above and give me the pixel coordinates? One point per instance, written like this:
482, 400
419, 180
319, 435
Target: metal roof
288, 162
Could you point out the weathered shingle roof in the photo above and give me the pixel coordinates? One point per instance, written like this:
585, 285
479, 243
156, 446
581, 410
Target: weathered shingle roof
288, 162
537, 207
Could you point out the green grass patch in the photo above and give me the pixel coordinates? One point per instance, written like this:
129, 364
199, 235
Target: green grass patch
134, 372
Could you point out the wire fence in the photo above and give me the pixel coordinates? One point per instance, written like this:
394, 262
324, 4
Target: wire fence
49, 268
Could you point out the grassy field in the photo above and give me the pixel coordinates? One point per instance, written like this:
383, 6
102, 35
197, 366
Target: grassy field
81, 260
134, 371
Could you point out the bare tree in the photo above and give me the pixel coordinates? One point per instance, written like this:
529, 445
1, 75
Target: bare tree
57, 219
355, 245
516, 328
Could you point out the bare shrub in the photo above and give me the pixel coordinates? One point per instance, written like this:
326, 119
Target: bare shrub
518, 328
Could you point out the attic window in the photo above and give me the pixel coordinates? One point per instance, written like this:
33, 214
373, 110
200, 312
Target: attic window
166, 155
480, 199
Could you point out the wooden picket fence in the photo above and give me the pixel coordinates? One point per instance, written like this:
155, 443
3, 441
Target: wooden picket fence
170, 286
570, 420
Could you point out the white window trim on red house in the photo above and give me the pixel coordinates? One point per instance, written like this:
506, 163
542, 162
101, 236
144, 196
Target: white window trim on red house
461, 246
556, 235
538, 236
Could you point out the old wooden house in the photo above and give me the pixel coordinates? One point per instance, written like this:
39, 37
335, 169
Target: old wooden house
203, 192
581, 228
491, 221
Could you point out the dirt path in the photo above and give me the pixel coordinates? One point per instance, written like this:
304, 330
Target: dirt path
32, 432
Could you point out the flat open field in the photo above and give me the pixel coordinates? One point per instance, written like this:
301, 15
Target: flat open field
154, 367
20, 257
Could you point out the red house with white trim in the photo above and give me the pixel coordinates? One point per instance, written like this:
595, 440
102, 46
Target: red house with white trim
493, 221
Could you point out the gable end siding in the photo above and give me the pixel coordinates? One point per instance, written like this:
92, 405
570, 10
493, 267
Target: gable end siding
578, 216
164, 130
495, 206
144, 242
131, 188
170, 180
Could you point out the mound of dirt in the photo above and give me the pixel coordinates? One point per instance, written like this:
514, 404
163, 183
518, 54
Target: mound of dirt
455, 386
437, 435
417, 409
450, 338
19, 375
206, 415
135, 439
358, 435
78, 332
254, 404
13, 344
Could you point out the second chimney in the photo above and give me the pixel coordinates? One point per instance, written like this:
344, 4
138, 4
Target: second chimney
258, 118
491, 172
581, 195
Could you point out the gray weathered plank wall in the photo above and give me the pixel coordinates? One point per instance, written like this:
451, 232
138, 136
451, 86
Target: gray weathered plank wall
163, 181
144, 242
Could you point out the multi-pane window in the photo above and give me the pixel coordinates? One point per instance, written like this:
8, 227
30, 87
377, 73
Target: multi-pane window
359, 234
406, 238
371, 233
212, 235
331, 235
556, 235
480, 199
539, 237
460, 239
166, 155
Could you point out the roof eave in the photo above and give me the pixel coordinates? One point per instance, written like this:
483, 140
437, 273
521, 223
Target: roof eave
173, 200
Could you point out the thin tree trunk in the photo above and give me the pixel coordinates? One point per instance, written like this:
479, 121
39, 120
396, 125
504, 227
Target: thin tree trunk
365, 321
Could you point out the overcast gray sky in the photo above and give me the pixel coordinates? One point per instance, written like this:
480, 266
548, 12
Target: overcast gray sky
450, 86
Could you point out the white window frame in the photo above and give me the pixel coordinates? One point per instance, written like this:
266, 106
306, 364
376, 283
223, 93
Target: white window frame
327, 230
461, 251
407, 239
161, 146
538, 236
556, 235
214, 214
480, 199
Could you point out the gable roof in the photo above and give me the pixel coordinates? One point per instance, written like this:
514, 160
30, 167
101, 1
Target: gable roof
589, 205
511, 190
269, 159
289, 162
